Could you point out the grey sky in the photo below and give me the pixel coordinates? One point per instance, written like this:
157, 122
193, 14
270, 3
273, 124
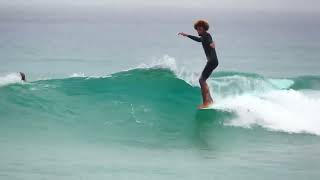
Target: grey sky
309, 6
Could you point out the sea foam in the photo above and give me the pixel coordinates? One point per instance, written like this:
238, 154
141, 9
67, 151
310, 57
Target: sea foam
10, 79
279, 110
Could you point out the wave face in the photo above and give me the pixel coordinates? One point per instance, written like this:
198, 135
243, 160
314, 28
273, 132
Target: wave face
154, 104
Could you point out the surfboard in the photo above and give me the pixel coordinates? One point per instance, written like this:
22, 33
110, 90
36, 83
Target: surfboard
215, 106
209, 107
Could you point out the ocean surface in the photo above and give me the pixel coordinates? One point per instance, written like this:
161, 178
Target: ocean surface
117, 100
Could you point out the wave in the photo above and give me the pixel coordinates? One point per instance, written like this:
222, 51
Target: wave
151, 96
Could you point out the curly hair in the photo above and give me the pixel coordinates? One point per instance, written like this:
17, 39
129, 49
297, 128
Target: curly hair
201, 23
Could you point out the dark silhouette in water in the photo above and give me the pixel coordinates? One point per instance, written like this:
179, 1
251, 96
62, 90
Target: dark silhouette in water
23, 76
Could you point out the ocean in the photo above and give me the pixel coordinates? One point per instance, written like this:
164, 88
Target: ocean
111, 99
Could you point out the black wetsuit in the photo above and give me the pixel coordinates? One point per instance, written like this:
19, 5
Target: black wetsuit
210, 52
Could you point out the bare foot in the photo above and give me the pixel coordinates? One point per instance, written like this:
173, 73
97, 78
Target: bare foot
205, 105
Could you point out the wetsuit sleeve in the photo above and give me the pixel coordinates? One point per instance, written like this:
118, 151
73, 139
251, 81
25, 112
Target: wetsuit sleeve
194, 38
209, 39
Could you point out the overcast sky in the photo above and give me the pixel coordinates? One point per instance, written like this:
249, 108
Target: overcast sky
242, 5
146, 9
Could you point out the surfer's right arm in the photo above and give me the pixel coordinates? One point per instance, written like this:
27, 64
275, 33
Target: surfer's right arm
195, 38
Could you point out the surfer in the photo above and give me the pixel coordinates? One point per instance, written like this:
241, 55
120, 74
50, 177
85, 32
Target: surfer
202, 26
23, 76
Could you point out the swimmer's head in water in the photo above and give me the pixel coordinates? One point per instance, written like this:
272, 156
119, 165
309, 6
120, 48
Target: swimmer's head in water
23, 76
201, 26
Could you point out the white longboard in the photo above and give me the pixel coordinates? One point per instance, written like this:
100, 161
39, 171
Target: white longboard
209, 107
215, 106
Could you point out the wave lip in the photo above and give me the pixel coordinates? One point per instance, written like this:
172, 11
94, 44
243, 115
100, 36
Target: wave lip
10, 79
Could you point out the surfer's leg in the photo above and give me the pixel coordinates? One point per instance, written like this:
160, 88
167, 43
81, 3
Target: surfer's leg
206, 96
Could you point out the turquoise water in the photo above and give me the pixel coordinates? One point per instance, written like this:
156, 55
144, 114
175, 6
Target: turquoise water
116, 102
113, 127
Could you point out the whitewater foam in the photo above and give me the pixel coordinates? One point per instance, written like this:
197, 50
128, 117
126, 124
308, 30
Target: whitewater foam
164, 62
279, 110
78, 75
10, 79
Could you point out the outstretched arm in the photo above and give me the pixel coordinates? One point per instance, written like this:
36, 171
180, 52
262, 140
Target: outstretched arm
195, 38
